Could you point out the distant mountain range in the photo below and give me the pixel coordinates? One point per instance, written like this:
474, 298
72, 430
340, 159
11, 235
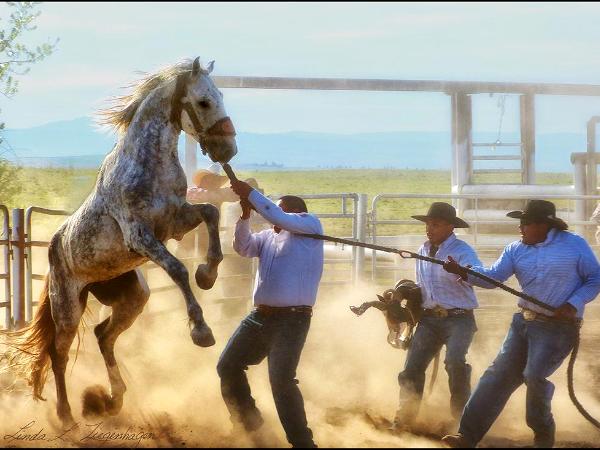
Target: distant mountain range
78, 143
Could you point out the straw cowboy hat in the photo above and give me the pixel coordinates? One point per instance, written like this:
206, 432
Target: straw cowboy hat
444, 211
209, 178
540, 211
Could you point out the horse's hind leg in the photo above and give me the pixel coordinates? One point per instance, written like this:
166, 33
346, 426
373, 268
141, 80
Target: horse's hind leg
68, 305
127, 295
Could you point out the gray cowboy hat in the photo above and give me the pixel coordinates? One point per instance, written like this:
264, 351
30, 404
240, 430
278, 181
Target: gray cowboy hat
444, 211
540, 211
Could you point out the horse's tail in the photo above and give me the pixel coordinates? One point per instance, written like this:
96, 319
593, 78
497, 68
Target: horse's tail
29, 348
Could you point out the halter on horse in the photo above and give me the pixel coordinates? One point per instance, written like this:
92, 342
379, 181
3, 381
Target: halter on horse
137, 204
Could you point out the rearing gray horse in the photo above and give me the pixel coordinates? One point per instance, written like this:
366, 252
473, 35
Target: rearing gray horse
138, 203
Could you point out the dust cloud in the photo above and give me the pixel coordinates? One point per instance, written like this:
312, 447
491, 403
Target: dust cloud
348, 376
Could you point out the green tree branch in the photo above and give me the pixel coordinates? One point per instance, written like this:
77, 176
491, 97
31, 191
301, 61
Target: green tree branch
16, 59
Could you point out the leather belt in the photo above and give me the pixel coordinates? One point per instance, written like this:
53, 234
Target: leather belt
442, 313
273, 310
530, 315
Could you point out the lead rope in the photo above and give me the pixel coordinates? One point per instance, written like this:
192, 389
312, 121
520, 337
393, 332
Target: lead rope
406, 254
570, 384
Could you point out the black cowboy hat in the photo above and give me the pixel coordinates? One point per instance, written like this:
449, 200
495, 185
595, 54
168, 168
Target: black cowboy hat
444, 211
540, 211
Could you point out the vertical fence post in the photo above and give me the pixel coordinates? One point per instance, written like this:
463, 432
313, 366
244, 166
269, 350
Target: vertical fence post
361, 236
579, 179
28, 255
5, 238
18, 268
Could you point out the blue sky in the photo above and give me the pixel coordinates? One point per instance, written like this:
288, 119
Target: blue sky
102, 45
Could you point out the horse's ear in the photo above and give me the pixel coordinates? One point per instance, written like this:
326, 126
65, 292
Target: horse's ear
210, 67
196, 67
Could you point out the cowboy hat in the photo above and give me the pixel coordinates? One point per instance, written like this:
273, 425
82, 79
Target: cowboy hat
444, 211
207, 179
539, 211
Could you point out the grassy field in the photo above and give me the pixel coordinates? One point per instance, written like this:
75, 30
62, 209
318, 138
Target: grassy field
67, 188
372, 182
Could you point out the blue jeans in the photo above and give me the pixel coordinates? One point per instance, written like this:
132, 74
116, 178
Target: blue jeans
433, 333
531, 352
280, 338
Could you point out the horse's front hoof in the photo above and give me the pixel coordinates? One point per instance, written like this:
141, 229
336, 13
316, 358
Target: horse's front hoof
114, 406
202, 336
205, 277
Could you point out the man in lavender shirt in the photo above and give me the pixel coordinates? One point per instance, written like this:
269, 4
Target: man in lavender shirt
447, 320
289, 272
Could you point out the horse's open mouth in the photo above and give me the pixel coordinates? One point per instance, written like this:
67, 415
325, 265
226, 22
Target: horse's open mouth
220, 149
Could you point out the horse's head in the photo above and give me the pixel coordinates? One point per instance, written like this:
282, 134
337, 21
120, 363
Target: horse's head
198, 106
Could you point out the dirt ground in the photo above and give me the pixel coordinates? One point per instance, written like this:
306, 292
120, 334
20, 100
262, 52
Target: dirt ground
348, 376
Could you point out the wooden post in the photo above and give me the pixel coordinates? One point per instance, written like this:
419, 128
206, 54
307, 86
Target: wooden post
528, 138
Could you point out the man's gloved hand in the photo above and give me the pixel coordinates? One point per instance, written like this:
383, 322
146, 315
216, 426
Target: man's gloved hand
566, 311
451, 266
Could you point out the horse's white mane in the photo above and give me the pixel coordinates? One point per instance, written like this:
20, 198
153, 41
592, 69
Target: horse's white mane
120, 114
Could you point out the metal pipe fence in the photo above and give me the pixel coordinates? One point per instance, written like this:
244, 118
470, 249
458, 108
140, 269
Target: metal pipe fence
29, 244
365, 226
5, 274
477, 218
358, 217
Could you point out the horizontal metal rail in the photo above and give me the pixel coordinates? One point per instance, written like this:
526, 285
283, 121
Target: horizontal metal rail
481, 222
499, 196
448, 87
486, 171
497, 158
475, 222
497, 144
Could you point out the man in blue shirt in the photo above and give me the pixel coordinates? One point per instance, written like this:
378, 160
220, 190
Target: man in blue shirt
555, 267
447, 318
289, 272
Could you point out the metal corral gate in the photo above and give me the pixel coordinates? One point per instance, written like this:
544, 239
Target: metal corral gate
5, 275
476, 218
18, 275
29, 244
358, 215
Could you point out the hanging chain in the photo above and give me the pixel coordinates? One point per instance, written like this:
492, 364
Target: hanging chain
502, 106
